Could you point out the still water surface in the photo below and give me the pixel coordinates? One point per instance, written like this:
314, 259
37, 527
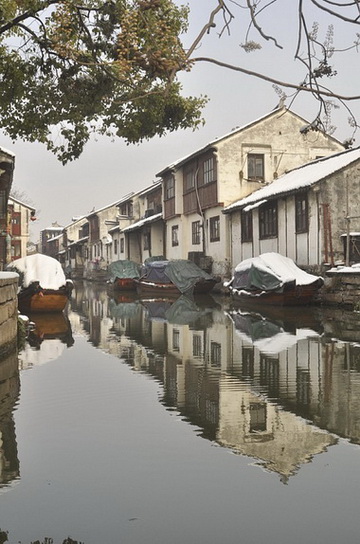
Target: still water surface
158, 422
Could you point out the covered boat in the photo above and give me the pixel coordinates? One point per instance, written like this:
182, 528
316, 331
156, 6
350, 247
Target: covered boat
273, 279
122, 273
43, 286
174, 278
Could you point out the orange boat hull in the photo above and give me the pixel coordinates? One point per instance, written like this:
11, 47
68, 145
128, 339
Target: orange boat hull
45, 301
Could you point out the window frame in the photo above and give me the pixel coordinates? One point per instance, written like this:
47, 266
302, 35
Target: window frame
252, 166
214, 228
268, 220
246, 225
147, 239
301, 213
174, 235
169, 188
196, 233
209, 170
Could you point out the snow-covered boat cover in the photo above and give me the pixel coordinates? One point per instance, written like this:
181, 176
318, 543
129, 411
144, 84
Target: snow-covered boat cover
269, 272
123, 269
42, 268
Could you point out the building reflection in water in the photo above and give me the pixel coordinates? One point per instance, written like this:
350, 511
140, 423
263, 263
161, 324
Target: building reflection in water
9, 394
276, 388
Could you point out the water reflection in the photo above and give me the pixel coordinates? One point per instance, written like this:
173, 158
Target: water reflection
278, 387
9, 394
49, 335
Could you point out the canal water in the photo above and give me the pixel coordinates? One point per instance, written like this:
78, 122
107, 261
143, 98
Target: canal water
183, 421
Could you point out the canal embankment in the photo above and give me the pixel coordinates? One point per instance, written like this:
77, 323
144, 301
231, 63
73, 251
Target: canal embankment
8, 312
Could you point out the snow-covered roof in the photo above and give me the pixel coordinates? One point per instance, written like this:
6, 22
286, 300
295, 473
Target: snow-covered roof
38, 267
80, 241
55, 237
13, 199
299, 178
3, 150
142, 222
276, 111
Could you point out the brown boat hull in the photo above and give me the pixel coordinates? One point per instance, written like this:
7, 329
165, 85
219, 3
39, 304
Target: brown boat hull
298, 296
47, 300
169, 289
124, 284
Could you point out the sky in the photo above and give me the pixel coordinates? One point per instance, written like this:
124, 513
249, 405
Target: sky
108, 170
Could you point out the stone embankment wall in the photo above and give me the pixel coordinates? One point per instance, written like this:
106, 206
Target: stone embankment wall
8, 312
341, 289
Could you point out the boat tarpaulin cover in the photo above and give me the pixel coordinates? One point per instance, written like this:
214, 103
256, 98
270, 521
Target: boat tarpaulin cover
182, 273
123, 269
269, 272
185, 312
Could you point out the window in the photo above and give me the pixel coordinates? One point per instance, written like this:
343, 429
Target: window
214, 229
122, 245
268, 223
175, 235
209, 171
147, 240
255, 167
301, 213
170, 188
176, 340
215, 354
115, 247
189, 179
257, 417
3, 210
197, 351
195, 232
16, 249
246, 226
16, 223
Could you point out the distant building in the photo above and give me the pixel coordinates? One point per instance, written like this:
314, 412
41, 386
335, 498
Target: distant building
46, 234
19, 217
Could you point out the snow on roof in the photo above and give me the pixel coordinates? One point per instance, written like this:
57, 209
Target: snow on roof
3, 150
353, 269
8, 275
282, 267
38, 267
21, 203
55, 237
142, 222
300, 178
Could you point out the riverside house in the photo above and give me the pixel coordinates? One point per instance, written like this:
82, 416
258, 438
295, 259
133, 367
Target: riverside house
7, 165
19, 217
305, 214
197, 188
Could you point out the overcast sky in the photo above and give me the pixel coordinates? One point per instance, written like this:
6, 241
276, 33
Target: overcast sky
108, 170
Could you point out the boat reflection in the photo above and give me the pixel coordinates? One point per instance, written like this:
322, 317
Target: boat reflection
277, 388
48, 336
49, 327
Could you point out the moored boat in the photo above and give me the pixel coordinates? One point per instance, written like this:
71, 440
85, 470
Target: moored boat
43, 286
273, 279
172, 278
122, 275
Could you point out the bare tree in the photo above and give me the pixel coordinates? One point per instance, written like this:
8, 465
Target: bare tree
253, 22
